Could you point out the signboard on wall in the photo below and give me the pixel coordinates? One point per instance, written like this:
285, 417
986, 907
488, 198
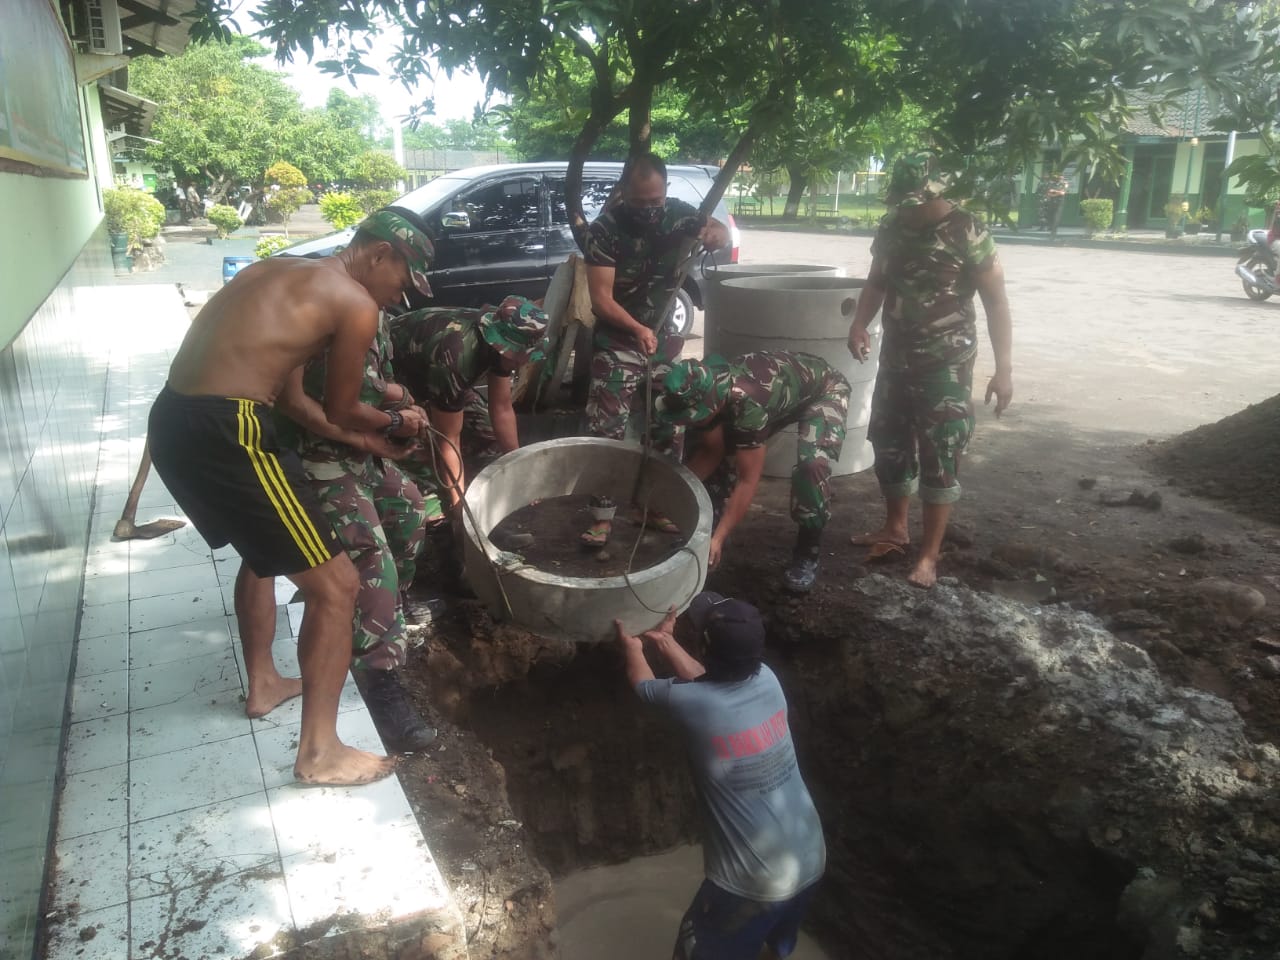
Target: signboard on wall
39, 99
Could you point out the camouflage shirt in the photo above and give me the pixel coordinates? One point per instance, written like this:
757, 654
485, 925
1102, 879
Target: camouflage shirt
377, 374
769, 390
644, 262
440, 354
930, 275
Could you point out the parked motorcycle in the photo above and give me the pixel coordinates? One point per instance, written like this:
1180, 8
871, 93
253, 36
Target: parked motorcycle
1257, 267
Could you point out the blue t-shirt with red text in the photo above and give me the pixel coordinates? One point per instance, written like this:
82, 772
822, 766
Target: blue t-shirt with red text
761, 835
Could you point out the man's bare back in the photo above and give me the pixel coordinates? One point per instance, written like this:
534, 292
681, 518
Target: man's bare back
255, 331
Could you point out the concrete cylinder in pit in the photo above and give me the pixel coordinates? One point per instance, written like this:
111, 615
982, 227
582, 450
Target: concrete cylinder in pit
582, 609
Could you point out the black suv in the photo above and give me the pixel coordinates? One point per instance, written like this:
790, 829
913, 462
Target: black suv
504, 229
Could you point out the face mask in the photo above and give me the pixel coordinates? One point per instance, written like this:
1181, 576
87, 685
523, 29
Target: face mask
645, 216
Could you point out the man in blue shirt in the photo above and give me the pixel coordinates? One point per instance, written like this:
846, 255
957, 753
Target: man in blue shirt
762, 845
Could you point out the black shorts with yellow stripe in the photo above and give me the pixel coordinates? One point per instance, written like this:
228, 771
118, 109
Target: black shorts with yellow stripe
219, 458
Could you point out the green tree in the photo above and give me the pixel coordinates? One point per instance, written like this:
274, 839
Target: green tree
361, 115
225, 119
483, 133
285, 191
375, 170
1019, 72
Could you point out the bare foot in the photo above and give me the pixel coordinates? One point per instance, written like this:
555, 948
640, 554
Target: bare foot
343, 766
266, 695
128, 530
883, 535
925, 575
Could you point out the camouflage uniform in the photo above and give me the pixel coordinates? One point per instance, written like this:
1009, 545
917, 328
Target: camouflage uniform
645, 265
375, 509
440, 353
755, 396
921, 411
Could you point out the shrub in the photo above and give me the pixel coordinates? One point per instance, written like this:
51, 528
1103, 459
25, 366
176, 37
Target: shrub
1204, 215
341, 209
376, 170
133, 212
1097, 215
225, 219
271, 243
286, 191
371, 200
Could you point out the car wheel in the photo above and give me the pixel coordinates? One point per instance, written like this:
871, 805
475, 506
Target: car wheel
680, 322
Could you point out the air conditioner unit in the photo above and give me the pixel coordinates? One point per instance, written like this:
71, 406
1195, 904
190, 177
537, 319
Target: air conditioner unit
102, 27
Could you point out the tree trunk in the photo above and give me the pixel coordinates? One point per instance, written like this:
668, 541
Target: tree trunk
639, 117
794, 192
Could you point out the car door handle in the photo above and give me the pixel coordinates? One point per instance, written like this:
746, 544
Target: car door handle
534, 247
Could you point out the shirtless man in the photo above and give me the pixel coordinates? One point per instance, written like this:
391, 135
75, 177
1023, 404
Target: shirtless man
213, 444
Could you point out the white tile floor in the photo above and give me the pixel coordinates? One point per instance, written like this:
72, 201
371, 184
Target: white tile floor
180, 827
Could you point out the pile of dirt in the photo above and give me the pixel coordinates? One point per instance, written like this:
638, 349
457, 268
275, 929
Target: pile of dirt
1233, 460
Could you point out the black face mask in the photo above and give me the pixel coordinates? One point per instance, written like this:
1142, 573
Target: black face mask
645, 217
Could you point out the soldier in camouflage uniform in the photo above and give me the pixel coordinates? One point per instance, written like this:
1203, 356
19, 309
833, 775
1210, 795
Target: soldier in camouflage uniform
633, 253
929, 257
733, 407
441, 353
377, 513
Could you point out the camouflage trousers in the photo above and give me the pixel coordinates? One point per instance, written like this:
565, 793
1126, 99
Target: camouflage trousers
921, 422
617, 394
821, 432
377, 513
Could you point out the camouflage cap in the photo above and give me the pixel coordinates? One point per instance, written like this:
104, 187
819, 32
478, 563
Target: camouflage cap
693, 391
517, 329
407, 239
914, 180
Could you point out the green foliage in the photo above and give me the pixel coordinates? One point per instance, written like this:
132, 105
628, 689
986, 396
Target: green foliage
286, 191
225, 218
135, 213
1097, 215
342, 210
359, 115
371, 200
375, 170
226, 119
282, 174
1204, 215
272, 243
484, 133
1015, 74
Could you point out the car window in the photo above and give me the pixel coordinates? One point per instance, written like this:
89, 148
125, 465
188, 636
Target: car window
430, 193
500, 205
595, 191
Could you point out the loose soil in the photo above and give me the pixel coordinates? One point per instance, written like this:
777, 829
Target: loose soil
547, 765
547, 533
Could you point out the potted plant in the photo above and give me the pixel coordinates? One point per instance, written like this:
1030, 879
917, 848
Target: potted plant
132, 217
225, 219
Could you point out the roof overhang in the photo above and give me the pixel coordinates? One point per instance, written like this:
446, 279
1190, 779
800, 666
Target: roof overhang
155, 27
125, 113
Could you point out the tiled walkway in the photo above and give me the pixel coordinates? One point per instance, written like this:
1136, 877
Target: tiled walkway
180, 830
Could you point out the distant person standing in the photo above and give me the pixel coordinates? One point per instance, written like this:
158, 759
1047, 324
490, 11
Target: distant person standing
194, 208
762, 846
1054, 187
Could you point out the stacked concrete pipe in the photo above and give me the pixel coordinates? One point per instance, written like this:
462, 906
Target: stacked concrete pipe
742, 271
808, 314
582, 609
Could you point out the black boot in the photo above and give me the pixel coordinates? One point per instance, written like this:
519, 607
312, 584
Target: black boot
803, 572
399, 725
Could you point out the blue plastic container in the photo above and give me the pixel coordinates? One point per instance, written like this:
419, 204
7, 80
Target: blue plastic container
233, 265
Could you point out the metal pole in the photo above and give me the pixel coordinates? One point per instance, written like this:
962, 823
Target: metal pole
837, 203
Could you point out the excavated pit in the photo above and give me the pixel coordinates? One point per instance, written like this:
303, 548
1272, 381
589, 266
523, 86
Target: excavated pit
995, 781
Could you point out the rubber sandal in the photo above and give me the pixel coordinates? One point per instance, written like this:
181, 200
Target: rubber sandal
885, 550
597, 535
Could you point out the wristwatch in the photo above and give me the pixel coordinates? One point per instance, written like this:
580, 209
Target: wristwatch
397, 421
